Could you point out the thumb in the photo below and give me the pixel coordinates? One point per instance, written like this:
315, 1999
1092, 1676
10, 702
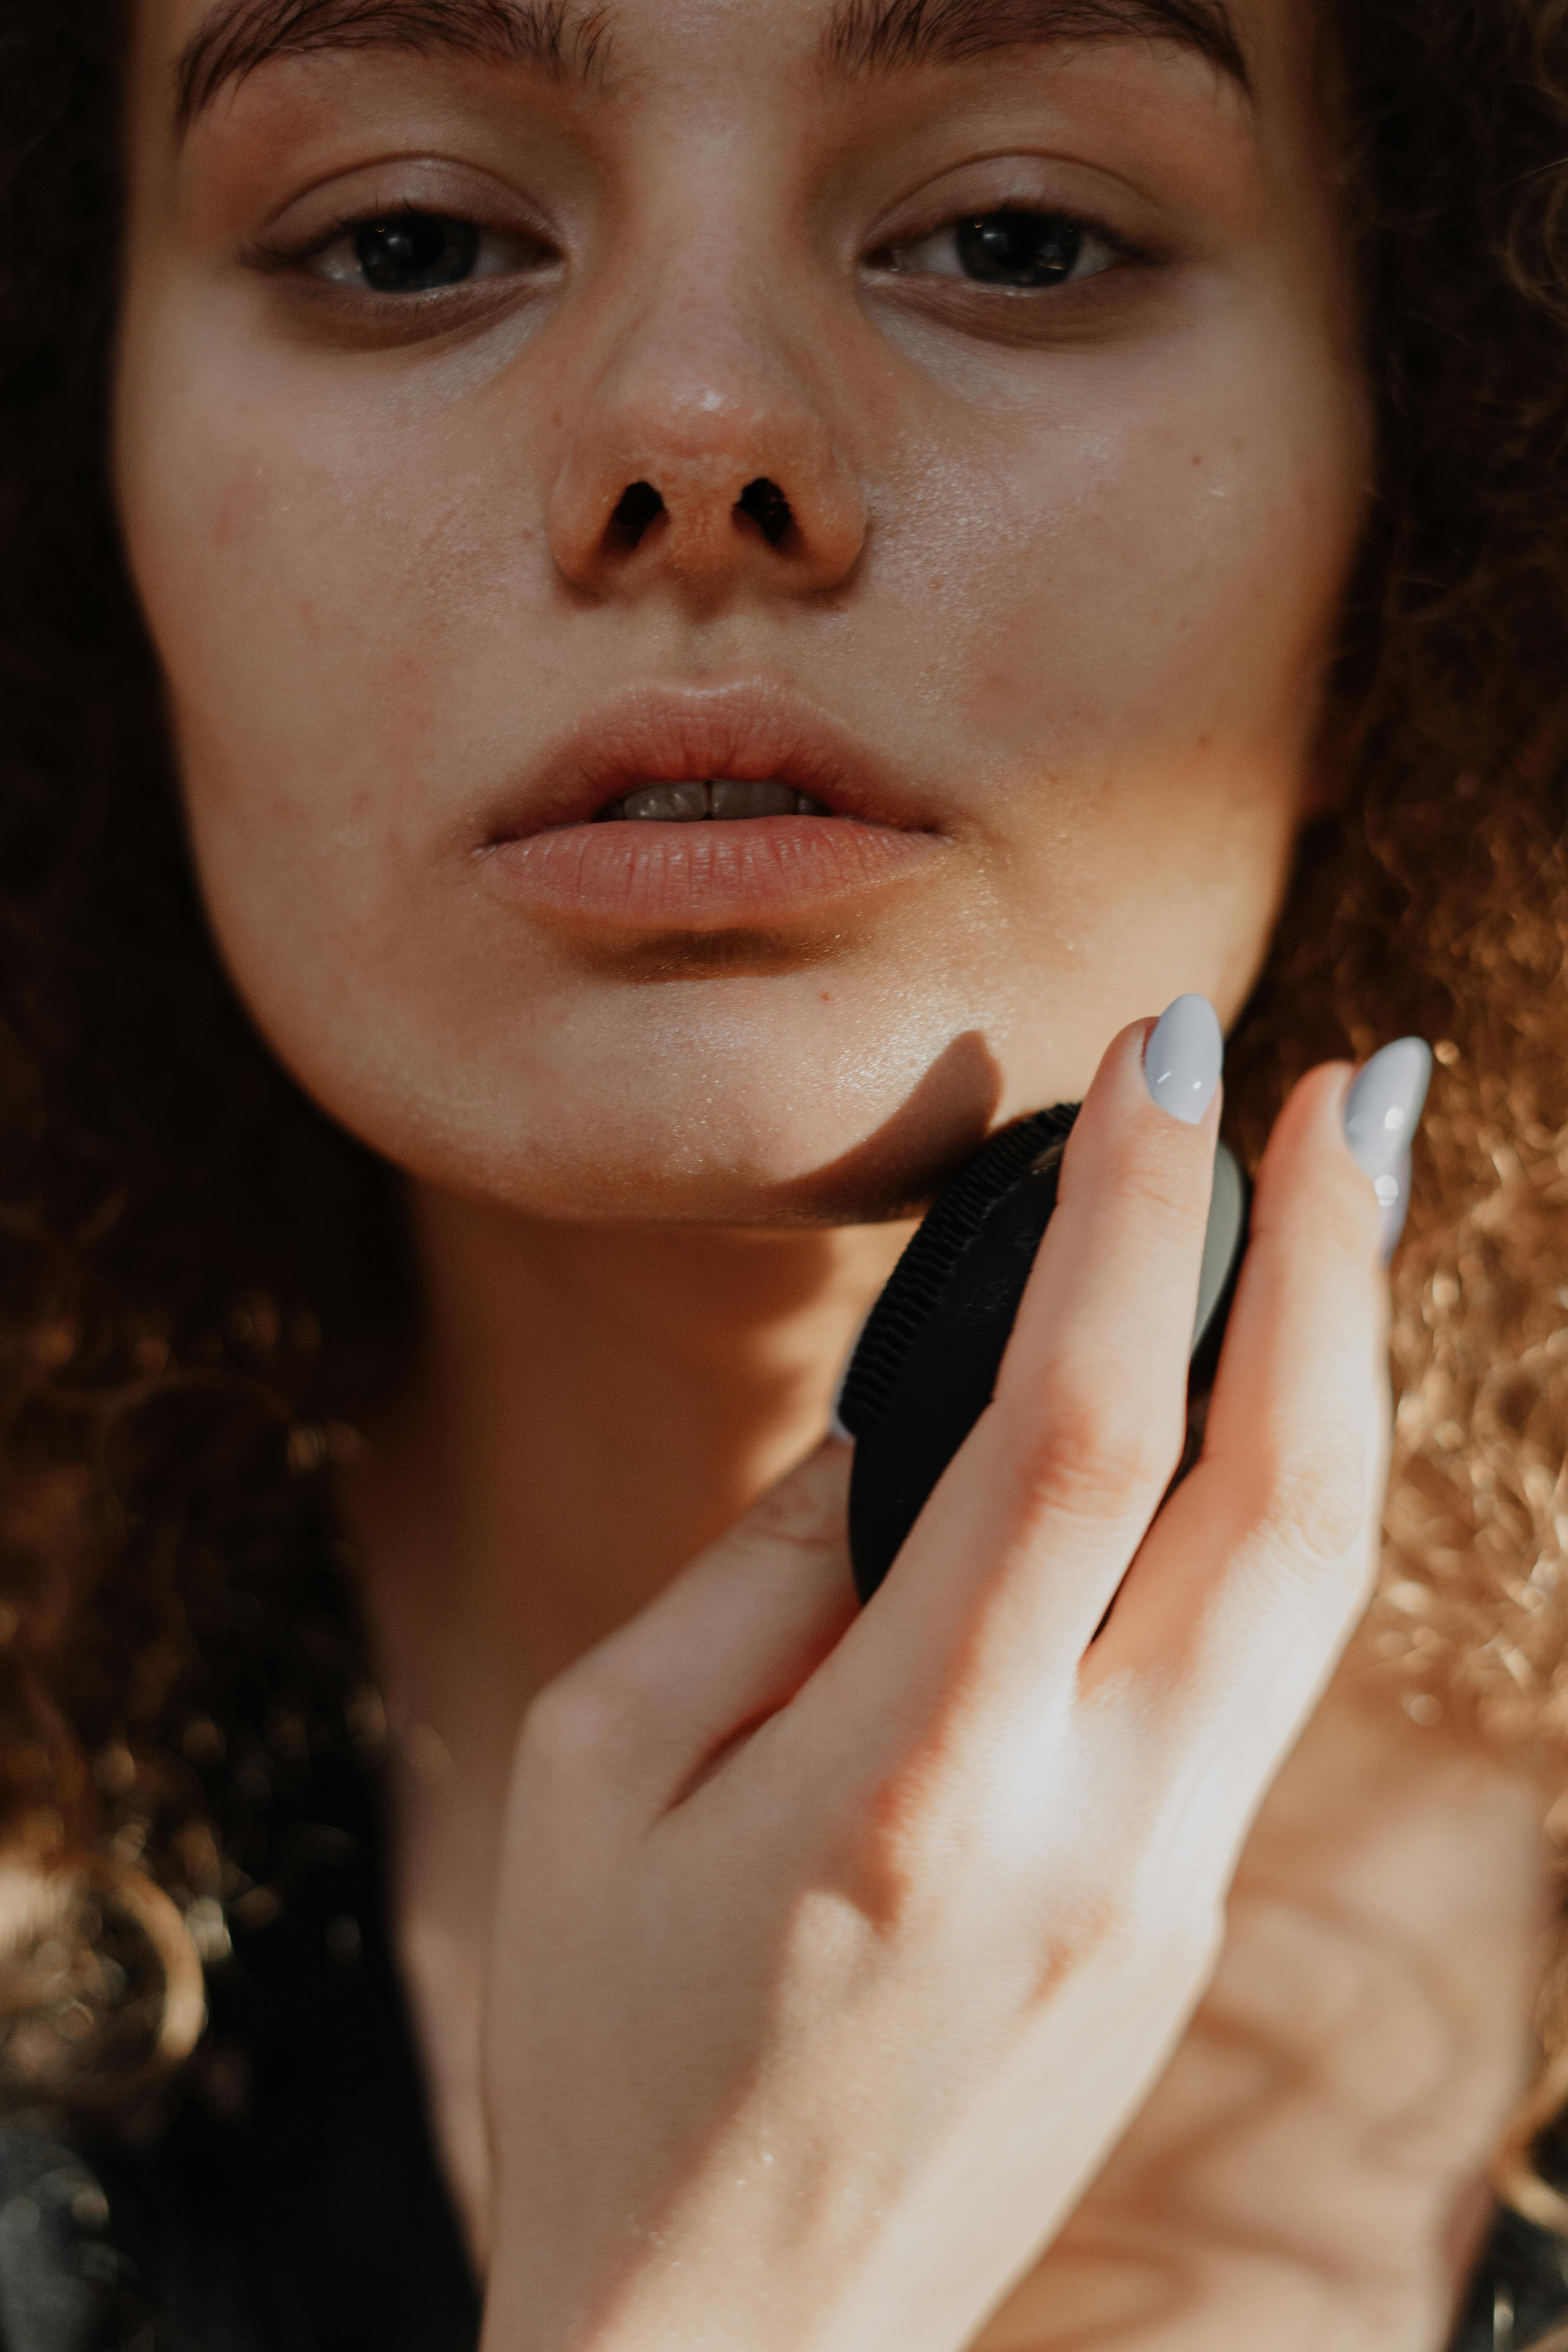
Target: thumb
731, 1640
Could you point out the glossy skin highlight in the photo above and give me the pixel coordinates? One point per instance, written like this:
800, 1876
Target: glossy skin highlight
1066, 564
1062, 577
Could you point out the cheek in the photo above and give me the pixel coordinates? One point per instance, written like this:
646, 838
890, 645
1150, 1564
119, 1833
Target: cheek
1102, 619
303, 575
1153, 562
1130, 613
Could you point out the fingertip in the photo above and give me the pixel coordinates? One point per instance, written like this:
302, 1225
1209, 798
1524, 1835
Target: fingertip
1174, 1063
1313, 1111
1183, 1058
1306, 1161
1393, 1189
1384, 1106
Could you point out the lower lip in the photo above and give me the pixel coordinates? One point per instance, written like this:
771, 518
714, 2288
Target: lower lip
713, 876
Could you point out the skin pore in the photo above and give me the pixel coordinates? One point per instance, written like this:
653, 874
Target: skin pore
1049, 600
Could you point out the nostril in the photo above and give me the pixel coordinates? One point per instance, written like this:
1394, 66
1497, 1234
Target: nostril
763, 503
639, 509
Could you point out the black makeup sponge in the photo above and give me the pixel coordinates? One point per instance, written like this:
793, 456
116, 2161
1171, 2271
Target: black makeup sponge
926, 1365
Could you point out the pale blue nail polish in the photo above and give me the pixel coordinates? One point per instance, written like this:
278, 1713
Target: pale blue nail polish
1183, 1058
1392, 1188
1382, 1111
1384, 1103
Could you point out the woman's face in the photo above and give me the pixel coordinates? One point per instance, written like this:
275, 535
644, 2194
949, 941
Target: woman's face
937, 424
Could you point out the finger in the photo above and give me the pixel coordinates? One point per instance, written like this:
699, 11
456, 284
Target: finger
1242, 1598
1024, 1540
723, 1648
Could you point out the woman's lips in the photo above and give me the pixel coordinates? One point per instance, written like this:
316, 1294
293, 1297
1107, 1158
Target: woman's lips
719, 809
721, 874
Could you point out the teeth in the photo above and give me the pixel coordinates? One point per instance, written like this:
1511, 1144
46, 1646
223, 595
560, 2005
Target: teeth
730, 799
666, 803
726, 797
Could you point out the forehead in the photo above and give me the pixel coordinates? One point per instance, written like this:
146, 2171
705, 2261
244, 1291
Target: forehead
205, 46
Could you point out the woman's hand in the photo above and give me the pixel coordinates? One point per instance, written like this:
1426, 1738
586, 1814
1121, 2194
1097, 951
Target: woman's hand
1312, 2167
835, 1951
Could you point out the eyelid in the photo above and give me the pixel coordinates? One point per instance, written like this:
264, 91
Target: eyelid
1077, 188
294, 257
441, 186
1125, 248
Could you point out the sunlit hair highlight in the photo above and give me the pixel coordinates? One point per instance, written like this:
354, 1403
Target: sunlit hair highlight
202, 1281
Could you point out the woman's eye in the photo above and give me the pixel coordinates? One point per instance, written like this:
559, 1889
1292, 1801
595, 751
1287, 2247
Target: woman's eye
417, 253
1013, 248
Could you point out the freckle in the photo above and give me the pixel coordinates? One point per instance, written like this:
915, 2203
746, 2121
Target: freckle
1197, 461
238, 506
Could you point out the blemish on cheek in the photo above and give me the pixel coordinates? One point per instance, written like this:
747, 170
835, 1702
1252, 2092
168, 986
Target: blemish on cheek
239, 508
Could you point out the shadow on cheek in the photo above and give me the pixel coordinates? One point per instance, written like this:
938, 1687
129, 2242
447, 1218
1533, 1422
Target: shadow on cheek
894, 1172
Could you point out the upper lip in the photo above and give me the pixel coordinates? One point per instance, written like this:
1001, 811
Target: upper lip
751, 730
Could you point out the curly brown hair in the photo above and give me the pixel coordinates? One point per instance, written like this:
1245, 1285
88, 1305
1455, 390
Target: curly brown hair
205, 1280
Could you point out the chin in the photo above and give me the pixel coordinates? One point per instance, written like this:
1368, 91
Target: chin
757, 1126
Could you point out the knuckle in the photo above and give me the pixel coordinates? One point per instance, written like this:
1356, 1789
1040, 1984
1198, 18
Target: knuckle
1093, 1459
1088, 1932
1136, 1920
801, 1515
898, 1852
574, 1725
1314, 1510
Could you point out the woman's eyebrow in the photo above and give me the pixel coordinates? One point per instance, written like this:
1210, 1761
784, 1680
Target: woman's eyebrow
566, 38
570, 38
871, 35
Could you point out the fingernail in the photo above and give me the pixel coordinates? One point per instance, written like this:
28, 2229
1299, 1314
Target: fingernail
1393, 1204
1385, 1103
1382, 1110
1183, 1058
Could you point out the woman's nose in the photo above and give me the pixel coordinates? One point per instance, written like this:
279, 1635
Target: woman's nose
705, 461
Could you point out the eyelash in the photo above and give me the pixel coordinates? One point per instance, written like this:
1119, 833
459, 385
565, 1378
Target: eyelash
1119, 250
297, 260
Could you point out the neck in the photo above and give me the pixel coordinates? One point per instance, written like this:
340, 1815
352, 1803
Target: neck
594, 1404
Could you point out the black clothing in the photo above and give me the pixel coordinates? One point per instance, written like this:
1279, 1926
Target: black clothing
293, 2203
